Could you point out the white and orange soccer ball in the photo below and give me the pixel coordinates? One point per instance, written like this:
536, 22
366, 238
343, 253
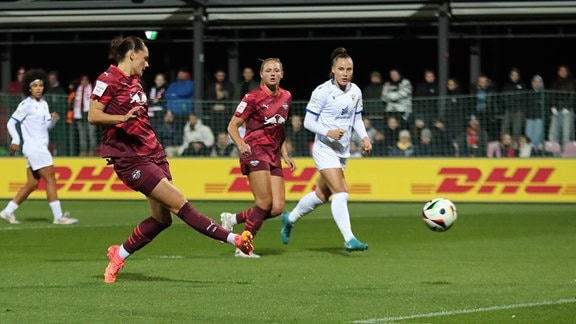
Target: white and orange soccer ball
439, 214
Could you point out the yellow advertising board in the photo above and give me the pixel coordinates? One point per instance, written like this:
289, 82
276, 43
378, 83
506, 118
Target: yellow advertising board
369, 179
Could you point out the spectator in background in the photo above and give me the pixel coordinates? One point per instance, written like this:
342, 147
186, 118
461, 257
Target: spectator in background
561, 128
391, 131
485, 106
417, 126
300, 138
198, 138
536, 106
457, 112
526, 148
156, 97
15, 86
404, 146
442, 140
380, 145
514, 104
426, 97
474, 140
248, 83
169, 136
54, 84
223, 147
35, 119
426, 146
219, 92
507, 147
85, 133
371, 94
397, 94
70, 131
56, 97
180, 97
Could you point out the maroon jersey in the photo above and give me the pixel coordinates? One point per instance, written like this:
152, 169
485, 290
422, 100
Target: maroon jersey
120, 93
265, 116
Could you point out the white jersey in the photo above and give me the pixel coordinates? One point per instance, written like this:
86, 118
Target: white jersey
336, 108
35, 121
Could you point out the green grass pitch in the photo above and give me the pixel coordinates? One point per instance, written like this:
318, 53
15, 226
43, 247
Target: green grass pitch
499, 263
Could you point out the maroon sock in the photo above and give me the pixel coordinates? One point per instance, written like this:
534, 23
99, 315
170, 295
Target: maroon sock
242, 216
202, 223
255, 219
143, 234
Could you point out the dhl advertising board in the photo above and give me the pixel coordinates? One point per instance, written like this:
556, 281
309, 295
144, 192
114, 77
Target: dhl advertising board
370, 179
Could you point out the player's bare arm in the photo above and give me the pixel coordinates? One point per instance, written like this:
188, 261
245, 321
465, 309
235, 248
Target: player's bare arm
234, 133
97, 116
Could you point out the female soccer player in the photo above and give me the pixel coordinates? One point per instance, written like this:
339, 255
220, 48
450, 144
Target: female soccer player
334, 110
119, 103
264, 112
35, 121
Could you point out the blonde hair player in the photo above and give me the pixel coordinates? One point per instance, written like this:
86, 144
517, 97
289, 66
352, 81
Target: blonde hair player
264, 112
334, 110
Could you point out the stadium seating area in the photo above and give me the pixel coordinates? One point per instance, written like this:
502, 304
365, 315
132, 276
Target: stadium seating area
452, 132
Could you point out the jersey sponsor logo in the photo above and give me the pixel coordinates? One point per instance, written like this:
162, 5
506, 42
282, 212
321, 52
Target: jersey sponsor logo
274, 120
99, 88
499, 180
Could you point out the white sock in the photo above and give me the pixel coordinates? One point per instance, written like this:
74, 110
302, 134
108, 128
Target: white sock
340, 213
123, 253
305, 205
230, 238
10, 207
56, 209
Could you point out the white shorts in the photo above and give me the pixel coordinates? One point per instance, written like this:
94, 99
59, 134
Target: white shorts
39, 159
325, 157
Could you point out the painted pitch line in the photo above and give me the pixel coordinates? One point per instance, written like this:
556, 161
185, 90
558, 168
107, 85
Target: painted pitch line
467, 311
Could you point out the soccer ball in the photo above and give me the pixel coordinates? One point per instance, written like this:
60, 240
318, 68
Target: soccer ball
439, 214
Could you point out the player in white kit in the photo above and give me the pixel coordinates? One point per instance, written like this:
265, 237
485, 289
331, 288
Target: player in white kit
35, 121
334, 110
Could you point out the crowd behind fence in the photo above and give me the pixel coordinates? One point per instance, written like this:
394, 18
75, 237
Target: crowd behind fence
526, 124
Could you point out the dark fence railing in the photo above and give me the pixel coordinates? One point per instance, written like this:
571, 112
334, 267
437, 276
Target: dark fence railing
546, 118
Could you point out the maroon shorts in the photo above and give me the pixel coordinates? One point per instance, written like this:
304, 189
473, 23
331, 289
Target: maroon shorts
248, 166
142, 173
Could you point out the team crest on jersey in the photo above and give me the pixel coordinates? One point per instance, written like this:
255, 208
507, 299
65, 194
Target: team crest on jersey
136, 174
254, 162
285, 106
353, 98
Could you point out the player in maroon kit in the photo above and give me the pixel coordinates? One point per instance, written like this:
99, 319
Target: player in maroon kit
264, 112
119, 104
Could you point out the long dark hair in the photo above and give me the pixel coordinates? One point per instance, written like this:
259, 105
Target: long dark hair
119, 46
30, 76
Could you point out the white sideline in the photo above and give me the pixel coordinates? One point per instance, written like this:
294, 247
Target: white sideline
466, 311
